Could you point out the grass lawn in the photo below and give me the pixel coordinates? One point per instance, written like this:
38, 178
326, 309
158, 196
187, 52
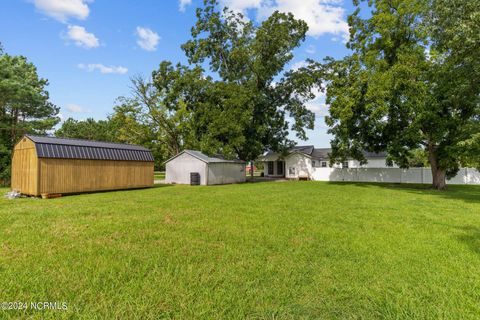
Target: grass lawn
258, 250
159, 175
256, 173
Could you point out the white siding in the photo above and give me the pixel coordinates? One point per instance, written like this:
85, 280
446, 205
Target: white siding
224, 172
298, 165
178, 169
303, 164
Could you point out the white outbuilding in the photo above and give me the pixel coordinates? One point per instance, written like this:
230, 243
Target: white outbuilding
194, 167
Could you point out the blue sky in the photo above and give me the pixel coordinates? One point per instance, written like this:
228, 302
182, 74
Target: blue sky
89, 49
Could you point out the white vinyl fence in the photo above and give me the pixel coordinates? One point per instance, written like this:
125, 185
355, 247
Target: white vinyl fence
395, 175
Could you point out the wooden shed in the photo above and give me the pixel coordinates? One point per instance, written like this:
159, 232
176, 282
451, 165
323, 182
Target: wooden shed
47, 165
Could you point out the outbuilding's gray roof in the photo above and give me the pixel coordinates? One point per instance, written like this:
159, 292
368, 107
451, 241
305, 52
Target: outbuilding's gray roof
203, 157
62, 148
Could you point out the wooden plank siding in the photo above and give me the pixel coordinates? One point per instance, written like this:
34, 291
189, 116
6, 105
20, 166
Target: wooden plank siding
25, 168
73, 176
32, 175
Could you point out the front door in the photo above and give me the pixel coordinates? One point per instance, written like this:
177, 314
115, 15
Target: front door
281, 168
270, 168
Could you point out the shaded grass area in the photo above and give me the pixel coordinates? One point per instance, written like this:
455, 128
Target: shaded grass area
257, 250
159, 175
256, 173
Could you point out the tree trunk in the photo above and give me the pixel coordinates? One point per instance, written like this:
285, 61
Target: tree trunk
438, 174
251, 170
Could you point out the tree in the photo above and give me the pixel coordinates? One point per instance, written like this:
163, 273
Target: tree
244, 111
243, 107
24, 106
89, 129
470, 157
455, 29
154, 115
411, 82
418, 158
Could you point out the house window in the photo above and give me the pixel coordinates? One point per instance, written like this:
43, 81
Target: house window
318, 164
345, 164
291, 171
280, 168
270, 167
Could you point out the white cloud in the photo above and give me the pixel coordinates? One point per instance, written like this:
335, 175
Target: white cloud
317, 105
310, 50
62, 10
147, 39
81, 37
322, 16
299, 64
74, 108
103, 69
243, 5
320, 109
183, 4
235, 5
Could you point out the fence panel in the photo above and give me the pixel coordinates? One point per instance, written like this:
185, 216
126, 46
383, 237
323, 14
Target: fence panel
395, 175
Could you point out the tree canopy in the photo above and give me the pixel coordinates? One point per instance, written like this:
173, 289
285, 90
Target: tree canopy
247, 108
236, 97
89, 129
24, 106
411, 82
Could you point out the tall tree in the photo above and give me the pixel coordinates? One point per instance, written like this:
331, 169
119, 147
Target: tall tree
24, 106
155, 115
411, 82
90, 129
247, 108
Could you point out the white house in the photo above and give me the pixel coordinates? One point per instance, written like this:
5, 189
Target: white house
301, 161
212, 170
313, 163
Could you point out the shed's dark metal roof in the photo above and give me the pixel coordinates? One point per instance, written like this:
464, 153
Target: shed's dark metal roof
49, 147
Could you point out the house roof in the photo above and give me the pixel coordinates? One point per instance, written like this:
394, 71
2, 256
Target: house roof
303, 149
203, 157
62, 148
323, 153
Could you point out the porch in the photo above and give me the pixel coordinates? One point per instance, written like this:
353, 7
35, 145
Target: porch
274, 169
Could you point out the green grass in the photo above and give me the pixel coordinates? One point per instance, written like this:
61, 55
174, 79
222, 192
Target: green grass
159, 175
256, 173
272, 250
